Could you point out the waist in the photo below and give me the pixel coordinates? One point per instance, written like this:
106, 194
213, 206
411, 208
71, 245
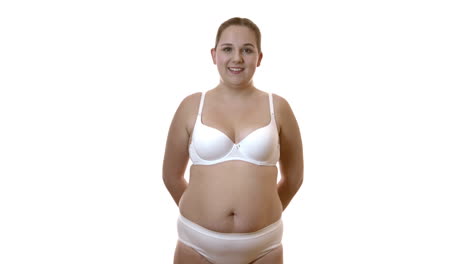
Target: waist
229, 198
233, 235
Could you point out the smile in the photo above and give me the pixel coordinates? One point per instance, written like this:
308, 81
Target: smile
235, 70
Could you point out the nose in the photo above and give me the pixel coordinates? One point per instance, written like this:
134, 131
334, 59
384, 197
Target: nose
238, 57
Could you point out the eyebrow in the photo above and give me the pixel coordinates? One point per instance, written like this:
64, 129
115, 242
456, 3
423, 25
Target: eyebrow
229, 44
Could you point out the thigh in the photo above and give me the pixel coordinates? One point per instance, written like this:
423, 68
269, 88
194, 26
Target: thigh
273, 257
185, 254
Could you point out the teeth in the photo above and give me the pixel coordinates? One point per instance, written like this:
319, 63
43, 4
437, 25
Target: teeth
235, 69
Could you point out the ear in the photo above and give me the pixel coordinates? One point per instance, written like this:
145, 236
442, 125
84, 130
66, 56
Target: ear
259, 59
213, 55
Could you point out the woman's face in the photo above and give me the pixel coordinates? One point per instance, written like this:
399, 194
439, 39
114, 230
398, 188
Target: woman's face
236, 55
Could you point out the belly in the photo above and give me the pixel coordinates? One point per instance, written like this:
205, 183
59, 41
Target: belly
232, 197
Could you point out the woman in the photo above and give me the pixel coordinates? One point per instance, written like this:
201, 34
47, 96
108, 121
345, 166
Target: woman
235, 134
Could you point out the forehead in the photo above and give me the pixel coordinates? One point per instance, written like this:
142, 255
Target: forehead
237, 34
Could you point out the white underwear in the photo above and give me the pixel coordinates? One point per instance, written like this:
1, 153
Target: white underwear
230, 248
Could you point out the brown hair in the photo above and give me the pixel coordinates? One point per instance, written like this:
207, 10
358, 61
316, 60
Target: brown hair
239, 21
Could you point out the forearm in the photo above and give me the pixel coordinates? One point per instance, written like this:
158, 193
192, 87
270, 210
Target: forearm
176, 188
287, 190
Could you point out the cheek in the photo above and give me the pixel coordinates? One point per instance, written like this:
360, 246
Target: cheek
220, 64
253, 62
220, 59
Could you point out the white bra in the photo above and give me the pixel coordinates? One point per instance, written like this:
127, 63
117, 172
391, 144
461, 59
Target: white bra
211, 146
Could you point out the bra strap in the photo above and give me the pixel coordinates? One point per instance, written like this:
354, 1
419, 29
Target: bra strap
272, 110
200, 107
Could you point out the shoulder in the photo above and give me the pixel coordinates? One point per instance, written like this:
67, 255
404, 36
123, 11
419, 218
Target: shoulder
187, 110
189, 104
284, 114
191, 100
281, 105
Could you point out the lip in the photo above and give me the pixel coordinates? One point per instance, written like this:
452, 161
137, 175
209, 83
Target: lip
235, 72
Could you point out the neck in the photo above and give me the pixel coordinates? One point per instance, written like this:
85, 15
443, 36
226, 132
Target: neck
236, 90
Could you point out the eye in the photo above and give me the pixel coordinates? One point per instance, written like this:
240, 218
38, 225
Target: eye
247, 50
227, 49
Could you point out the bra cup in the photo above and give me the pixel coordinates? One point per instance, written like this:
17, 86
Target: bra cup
260, 145
210, 144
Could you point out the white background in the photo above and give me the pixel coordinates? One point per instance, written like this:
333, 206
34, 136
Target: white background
88, 90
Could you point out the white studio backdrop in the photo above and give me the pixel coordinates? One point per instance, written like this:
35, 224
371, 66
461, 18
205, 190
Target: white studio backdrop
88, 90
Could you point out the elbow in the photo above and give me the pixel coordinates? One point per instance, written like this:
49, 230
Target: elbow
166, 180
297, 178
300, 180
169, 180
296, 185
292, 184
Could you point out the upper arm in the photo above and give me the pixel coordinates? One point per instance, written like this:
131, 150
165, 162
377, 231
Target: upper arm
291, 155
176, 154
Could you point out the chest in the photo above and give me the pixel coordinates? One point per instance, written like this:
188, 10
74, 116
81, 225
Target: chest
236, 121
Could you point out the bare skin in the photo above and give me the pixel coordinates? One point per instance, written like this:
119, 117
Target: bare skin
245, 194
233, 196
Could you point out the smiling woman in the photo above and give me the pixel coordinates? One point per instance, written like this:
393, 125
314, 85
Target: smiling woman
235, 135
237, 55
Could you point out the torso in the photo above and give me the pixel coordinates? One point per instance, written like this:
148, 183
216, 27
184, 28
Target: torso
233, 196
